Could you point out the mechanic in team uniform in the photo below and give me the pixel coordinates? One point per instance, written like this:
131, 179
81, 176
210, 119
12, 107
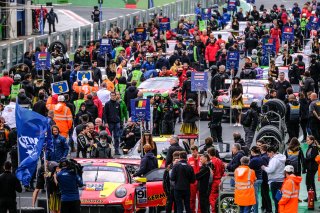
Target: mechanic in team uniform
102, 148
165, 115
293, 117
156, 103
130, 135
215, 115
95, 16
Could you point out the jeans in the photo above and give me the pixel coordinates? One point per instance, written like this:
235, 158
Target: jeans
245, 209
257, 188
249, 135
274, 187
114, 129
182, 197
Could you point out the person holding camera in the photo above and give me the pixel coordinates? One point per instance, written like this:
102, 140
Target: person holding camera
69, 180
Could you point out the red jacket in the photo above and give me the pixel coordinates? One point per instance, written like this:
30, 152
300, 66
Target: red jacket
5, 85
211, 52
99, 105
195, 164
218, 168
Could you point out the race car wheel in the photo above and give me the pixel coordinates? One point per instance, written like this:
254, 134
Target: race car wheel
275, 105
59, 44
271, 135
203, 98
32, 210
226, 204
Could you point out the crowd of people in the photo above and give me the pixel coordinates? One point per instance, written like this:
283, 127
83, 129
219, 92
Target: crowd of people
94, 116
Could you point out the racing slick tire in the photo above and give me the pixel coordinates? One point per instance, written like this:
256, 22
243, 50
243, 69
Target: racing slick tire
272, 136
57, 44
203, 98
226, 204
32, 210
277, 106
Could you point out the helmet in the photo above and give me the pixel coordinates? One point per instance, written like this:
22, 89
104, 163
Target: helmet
103, 135
17, 77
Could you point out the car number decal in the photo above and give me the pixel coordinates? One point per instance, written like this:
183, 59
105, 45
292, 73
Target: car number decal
141, 192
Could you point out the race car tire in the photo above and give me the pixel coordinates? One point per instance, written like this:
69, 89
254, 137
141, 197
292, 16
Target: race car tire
57, 43
226, 204
203, 98
277, 106
32, 210
274, 135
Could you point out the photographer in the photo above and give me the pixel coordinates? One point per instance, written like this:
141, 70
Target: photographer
69, 180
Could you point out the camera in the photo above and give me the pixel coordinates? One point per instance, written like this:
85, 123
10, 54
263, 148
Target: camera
72, 165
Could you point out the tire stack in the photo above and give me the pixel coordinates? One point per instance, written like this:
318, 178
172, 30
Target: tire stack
272, 129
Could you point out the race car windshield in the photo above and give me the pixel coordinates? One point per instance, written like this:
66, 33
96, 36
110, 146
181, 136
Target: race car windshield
103, 174
158, 84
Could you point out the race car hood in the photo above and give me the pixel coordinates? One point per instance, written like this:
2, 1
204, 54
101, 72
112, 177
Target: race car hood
97, 192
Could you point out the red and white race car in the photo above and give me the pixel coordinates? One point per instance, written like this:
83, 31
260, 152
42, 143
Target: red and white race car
109, 187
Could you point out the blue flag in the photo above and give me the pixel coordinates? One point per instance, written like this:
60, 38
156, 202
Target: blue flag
31, 128
41, 21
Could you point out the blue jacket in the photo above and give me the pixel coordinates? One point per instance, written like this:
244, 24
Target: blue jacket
235, 162
148, 162
255, 164
69, 183
148, 66
60, 148
73, 77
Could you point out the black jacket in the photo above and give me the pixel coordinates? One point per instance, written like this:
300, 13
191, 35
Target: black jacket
308, 85
81, 113
206, 147
92, 109
171, 150
311, 154
27, 86
97, 76
203, 180
294, 74
112, 112
131, 93
148, 163
304, 108
9, 186
254, 119
24, 100
40, 107
235, 162
183, 175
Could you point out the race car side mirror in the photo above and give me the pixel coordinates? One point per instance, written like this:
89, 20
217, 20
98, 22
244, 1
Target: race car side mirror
140, 179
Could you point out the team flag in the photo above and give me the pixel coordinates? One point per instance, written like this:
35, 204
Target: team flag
141, 103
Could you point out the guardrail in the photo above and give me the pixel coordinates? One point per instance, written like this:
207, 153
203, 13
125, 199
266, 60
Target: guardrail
11, 53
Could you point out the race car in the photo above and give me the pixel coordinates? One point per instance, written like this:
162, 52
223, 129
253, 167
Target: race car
253, 90
108, 187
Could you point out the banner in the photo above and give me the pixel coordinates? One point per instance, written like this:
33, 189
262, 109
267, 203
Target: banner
60, 87
268, 49
84, 74
199, 81
287, 34
31, 131
42, 61
232, 5
233, 59
205, 13
140, 110
203, 25
105, 46
313, 23
140, 34
164, 24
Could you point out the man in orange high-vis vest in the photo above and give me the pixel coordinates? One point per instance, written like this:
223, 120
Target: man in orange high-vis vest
244, 178
84, 87
62, 116
290, 191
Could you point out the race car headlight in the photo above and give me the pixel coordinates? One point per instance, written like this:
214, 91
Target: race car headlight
121, 192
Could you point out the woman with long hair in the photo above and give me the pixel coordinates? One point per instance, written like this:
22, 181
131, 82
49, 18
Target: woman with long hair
295, 156
273, 70
311, 164
147, 139
236, 99
190, 115
304, 114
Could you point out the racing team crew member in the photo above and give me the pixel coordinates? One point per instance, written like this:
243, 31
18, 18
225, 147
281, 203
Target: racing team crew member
215, 115
165, 115
293, 117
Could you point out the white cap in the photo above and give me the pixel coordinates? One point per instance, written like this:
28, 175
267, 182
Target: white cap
61, 98
289, 168
84, 81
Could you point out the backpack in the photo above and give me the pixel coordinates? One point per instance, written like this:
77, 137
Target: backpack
246, 118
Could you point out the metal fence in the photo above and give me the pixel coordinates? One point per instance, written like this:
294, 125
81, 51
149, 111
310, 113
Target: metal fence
12, 53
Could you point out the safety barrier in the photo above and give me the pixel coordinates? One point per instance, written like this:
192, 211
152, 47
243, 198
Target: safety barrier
12, 53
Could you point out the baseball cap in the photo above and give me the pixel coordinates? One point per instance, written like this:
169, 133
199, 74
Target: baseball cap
289, 168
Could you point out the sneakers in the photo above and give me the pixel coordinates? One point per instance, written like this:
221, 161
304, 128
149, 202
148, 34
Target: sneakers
237, 124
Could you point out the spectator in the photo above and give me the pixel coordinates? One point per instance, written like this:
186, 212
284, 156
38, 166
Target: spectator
237, 138
97, 103
103, 94
281, 86
275, 172
148, 162
23, 100
40, 105
183, 176
91, 107
304, 115
265, 197
292, 117
130, 135
83, 111
237, 154
250, 122
9, 186
295, 157
174, 146
255, 164
208, 143
131, 93
60, 148
5, 85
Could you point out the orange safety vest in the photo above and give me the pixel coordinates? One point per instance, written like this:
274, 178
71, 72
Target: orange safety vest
290, 195
244, 178
63, 119
318, 161
110, 85
85, 89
